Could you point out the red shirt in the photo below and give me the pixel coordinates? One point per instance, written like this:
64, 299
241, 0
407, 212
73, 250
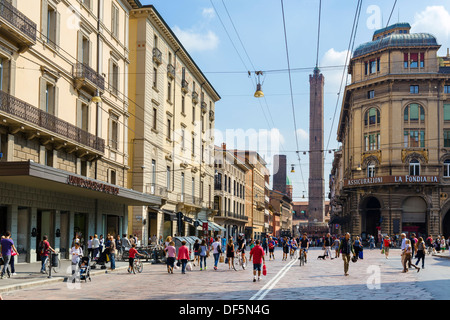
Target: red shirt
258, 253
387, 242
183, 253
132, 253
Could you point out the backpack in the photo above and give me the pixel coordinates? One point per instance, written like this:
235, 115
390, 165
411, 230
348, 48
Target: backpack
41, 247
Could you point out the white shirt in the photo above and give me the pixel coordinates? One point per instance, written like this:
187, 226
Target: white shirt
403, 243
89, 244
95, 243
76, 254
215, 245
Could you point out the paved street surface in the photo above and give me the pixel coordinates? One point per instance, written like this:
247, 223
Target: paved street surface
372, 278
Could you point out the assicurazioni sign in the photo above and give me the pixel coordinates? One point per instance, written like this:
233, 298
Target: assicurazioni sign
92, 185
405, 179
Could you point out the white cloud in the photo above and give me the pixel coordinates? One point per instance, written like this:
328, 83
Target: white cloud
208, 13
434, 20
197, 41
333, 76
302, 134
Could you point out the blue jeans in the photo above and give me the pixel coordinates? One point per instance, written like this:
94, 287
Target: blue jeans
43, 261
183, 265
202, 258
6, 260
216, 259
112, 258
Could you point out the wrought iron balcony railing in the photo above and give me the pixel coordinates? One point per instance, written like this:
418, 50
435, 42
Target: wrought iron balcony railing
157, 55
171, 71
184, 85
17, 19
157, 190
194, 97
83, 71
18, 108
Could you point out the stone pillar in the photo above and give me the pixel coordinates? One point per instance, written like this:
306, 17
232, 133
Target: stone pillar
386, 223
10, 148
71, 227
32, 247
57, 244
12, 216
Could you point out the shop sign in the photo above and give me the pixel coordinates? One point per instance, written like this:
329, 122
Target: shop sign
187, 219
92, 185
405, 179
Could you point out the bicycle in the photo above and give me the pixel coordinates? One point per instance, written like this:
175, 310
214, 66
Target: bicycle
55, 269
294, 253
239, 262
138, 265
302, 257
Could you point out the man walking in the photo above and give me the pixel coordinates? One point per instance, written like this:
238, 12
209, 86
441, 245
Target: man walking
346, 248
258, 259
403, 247
327, 242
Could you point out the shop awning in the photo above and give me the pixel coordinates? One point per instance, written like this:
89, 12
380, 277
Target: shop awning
34, 175
211, 226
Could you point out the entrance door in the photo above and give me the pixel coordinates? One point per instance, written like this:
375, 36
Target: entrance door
112, 225
3, 219
45, 227
371, 217
446, 225
80, 228
414, 217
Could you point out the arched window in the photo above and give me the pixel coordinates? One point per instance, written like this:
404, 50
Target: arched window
447, 168
414, 167
372, 117
414, 112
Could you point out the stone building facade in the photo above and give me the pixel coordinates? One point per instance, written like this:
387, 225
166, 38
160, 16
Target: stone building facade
392, 172
63, 120
171, 136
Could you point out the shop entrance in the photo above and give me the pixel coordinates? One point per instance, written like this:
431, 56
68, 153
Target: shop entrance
446, 225
45, 227
371, 218
3, 219
414, 217
80, 227
112, 225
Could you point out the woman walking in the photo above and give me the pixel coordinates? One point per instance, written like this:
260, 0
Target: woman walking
407, 252
183, 256
203, 254
230, 253
171, 254
90, 250
196, 252
420, 252
386, 246
357, 246
76, 252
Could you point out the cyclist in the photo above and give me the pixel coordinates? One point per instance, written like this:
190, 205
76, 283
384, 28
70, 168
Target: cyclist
304, 245
241, 246
131, 255
293, 247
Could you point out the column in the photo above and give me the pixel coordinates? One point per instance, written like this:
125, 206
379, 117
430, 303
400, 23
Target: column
31, 257
57, 245
71, 227
12, 216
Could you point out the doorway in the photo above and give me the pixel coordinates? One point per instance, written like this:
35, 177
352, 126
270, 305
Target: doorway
371, 217
446, 225
45, 227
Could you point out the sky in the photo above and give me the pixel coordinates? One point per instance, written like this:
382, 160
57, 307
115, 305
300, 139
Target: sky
229, 38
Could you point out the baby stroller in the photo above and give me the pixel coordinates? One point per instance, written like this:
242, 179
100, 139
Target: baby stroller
85, 269
101, 260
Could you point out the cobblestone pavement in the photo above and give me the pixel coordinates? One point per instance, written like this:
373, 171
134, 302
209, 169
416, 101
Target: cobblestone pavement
374, 277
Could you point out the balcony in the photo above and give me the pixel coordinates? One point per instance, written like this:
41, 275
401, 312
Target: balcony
211, 115
156, 190
16, 27
184, 86
88, 78
194, 97
171, 71
157, 56
21, 114
189, 199
204, 107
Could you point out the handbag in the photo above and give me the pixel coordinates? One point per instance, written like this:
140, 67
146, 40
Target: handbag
221, 259
178, 263
226, 260
264, 270
360, 254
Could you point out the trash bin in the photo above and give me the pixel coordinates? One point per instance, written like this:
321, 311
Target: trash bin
55, 260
